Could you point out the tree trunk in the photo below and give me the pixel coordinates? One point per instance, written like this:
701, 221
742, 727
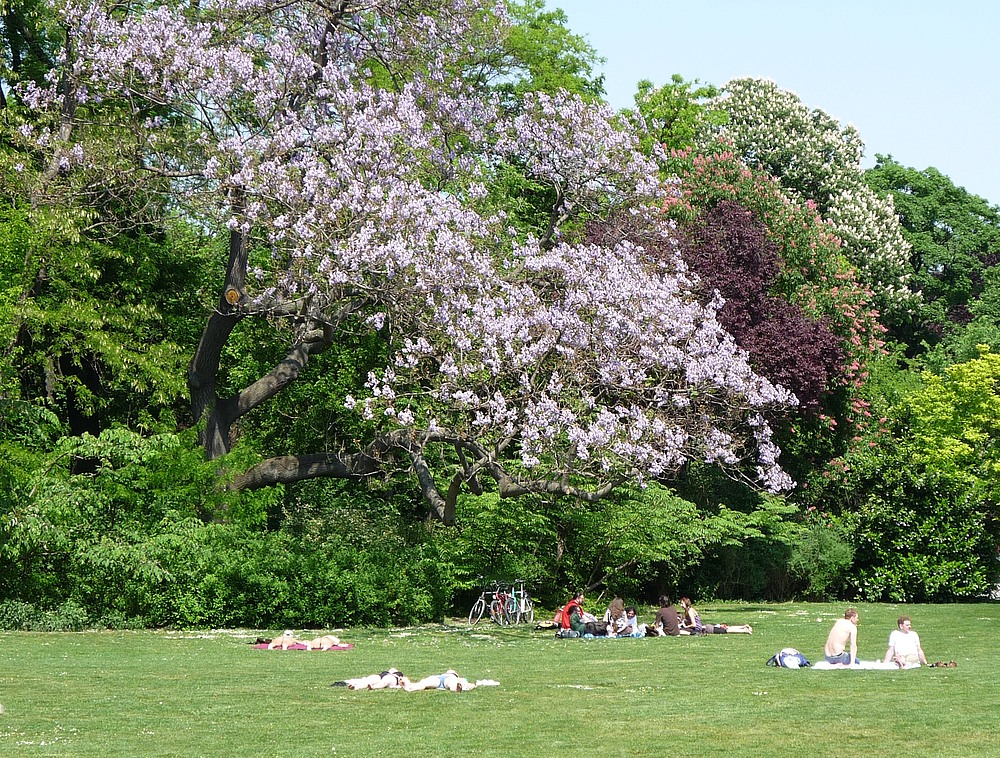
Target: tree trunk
217, 415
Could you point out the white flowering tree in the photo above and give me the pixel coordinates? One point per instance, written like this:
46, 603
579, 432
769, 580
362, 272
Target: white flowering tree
349, 152
813, 155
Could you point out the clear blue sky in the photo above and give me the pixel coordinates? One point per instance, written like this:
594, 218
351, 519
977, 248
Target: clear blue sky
919, 79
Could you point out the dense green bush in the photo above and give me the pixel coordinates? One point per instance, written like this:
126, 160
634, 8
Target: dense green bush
148, 539
821, 557
18, 615
917, 539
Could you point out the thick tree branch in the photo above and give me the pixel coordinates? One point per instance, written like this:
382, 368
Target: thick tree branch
438, 504
269, 385
287, 469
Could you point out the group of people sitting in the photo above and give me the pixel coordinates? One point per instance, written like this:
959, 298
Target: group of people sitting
620, 620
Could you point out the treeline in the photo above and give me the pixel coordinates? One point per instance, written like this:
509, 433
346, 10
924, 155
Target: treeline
320, 325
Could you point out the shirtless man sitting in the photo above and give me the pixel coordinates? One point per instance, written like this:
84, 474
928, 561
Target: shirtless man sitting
842, 643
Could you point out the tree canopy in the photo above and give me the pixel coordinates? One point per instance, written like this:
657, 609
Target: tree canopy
282, 284
349, 157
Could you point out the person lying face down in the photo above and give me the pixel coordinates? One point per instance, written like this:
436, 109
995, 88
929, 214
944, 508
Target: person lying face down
284, 642
288, 640
393, 679
325, 642
449, 680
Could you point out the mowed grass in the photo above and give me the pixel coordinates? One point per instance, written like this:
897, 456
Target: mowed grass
211, 694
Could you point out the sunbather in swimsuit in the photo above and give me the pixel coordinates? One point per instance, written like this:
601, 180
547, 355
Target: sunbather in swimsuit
449, 680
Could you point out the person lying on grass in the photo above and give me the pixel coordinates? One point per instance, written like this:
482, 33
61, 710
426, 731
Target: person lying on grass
449, 680
288, 640
325, 642
393, 679
284, 642
693, 623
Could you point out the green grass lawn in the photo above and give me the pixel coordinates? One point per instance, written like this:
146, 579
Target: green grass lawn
212, 694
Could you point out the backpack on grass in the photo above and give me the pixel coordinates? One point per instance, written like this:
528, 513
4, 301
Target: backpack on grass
788, 658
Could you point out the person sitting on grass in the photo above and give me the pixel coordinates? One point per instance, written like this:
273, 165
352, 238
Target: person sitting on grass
574, 606
668, 622
449, 680
632, 626
693, 623
572, 614
615, 618
904, 645
842, 642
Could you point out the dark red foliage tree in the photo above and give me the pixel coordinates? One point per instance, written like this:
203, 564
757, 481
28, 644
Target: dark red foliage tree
729, 249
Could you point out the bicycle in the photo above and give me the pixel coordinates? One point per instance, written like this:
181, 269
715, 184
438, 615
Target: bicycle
508, 603
524, 605
503, 608
479, 607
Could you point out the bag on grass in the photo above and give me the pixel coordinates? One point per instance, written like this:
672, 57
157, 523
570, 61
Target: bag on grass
788, 658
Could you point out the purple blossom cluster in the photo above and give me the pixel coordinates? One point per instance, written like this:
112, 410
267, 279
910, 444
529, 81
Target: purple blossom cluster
372, 193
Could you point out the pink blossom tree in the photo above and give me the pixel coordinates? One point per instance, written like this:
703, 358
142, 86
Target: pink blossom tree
350, 153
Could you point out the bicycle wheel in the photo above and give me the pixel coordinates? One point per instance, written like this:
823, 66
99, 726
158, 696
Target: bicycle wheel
497, 612
528, 611
478, 609
511, 611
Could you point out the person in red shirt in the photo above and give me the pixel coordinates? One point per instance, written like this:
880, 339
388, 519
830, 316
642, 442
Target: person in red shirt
575, 605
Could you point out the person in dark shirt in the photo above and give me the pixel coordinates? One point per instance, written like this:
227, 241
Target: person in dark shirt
667, 619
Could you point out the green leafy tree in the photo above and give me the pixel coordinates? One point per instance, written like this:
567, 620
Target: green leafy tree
964, 342
541, 54
675, 113
97, 330
955, 422
917, 497
955, 241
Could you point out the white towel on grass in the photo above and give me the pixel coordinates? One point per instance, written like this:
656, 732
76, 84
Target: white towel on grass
862, 666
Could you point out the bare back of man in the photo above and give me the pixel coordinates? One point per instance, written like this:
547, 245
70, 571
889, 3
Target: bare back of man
842, 642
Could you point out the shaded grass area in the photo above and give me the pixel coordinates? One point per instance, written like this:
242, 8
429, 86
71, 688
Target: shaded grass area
212, 694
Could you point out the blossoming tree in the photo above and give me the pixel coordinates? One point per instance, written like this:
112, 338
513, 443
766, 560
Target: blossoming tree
350, 154
816, 157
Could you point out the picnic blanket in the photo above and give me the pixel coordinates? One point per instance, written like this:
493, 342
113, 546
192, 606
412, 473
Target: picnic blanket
302, 646
861, 666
